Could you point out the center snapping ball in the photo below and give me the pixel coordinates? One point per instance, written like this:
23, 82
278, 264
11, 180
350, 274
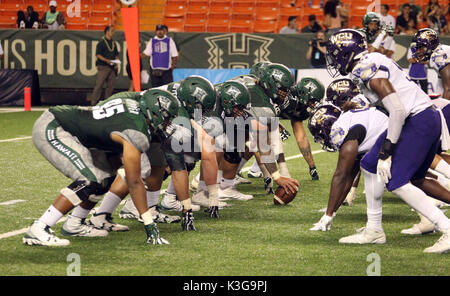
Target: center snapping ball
281, 197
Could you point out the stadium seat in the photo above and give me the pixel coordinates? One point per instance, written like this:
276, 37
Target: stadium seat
244, 3
12, 6
219, 12
40, 6
195, 25
268, 3
266, 13
99, 23
174, 24
265, 26
8, 19
198, 2
286, 12
177, 2
103, 6
287, 3
241, 26
197, 12
177, 11
220, 25
77, 23
242, 12
85, 5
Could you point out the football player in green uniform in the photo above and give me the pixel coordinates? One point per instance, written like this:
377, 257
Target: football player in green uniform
82, 143
371, 28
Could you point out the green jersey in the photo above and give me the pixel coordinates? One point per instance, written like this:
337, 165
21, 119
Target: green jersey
261, 104
369, 37
93, 126
293, 109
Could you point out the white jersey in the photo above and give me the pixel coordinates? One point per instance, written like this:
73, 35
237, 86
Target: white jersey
440, 57
372, 120
375, 65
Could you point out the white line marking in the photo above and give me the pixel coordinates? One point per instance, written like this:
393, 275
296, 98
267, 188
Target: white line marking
15, 139
23, 230
11, 202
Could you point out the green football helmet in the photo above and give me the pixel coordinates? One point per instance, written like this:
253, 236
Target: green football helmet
275, 77
196, 92
257, 69
371, 17
233, 94
309, 91
160, 107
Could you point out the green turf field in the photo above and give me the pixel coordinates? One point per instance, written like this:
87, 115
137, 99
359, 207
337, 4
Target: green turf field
250, 238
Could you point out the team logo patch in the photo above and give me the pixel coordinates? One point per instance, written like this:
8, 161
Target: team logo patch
277, 74
233, 92
199, 94
164, 102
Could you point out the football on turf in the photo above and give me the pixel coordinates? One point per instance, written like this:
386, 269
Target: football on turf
281, 197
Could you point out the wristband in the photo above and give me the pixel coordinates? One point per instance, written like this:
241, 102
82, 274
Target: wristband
276, 175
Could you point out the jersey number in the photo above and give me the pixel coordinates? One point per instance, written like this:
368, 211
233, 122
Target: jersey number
108, 109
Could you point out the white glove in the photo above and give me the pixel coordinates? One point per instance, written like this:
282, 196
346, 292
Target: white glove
384, 170
324, 223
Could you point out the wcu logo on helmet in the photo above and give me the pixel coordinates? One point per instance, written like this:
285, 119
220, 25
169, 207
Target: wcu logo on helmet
343, 49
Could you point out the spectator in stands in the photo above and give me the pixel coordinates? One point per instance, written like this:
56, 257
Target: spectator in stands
418, 71
163, 55
107, 65
317, 50
406, 21
434, 16
52, 19
28, 20
335, 14
416, 11
291, 27
385, 18
313, 26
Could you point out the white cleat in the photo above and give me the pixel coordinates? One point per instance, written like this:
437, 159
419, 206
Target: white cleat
424, 227
41, 234
171, 203
159, 217
232, 193
193, 185
105, 221
252, 174
129, 211
365, 236
442, 245
75, 226
200, 199
241, 180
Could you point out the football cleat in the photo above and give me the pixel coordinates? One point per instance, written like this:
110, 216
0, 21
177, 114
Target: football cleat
170, 202
200, 199
442, 245
232, 193
75, 226
129, 211
252, 174
425, 226
159, 217
240, 180
41, 234
153, 235
105, 221
365, 236
188, 221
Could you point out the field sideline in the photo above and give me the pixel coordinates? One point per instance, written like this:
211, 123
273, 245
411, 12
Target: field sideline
250, 238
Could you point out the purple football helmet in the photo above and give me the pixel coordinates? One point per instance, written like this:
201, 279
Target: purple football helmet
340, 91
424, 43
320, 124
343, 49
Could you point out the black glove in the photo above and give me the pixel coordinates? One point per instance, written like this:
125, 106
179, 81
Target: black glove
313, 173
268, 185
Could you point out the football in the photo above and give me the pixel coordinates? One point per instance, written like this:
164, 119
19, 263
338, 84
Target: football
281, 197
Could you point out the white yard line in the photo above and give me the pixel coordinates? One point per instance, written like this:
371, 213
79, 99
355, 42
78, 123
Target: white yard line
23, 230
15, 139
20, 109
11, 202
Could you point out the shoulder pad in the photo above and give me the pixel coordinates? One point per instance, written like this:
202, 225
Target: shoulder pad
366, 68
337, 135
440, 58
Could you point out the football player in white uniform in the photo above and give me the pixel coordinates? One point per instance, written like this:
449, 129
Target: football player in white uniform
411, 115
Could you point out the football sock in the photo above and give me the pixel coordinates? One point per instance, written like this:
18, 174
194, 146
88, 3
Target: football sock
226, 183
110, 202
255, 167
241, 164
374, 197
51, 216
80, 212
153, 198
420, 202
213, 195
171, 188
444, 168
202, 186
186, 204
219, 176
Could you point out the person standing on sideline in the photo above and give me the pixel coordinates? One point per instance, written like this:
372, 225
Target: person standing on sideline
163, 55
106, 54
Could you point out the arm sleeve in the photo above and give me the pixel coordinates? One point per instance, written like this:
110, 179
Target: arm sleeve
397, 116
357, 132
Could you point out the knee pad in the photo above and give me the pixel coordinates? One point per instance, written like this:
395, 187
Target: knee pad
233, 157
80, 191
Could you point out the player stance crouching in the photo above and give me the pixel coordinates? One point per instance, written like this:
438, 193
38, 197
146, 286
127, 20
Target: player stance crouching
75, 141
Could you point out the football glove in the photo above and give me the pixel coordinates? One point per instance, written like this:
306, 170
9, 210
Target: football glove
384, 170
153, 235
213, 211
313, 173
268, 185
324, 223
284, 135
187, 223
